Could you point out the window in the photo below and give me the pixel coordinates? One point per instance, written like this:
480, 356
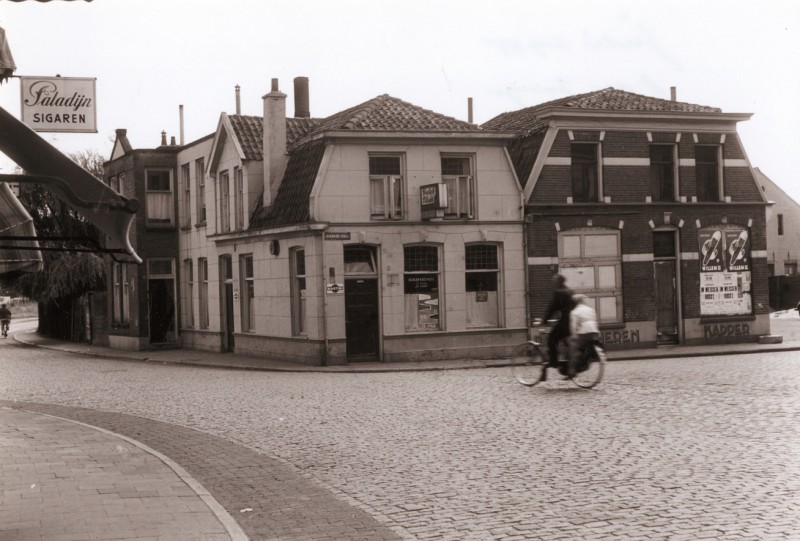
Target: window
121, 189
202, 280
238, 197
790, 269
120, 309
298, 261
247, 287
780, 224
188, 279
591, 262
585, 177
662, 172
664, 244
200, 175
421, 288
159, 197
224, 202
706, 160
460, 197
481, 285
770, 269
385, 188
186, 206
113, 183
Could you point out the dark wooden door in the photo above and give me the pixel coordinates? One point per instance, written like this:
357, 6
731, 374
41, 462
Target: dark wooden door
666, 302
362, 324
162, 310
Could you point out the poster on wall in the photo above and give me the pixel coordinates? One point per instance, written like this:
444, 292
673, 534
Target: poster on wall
725, 277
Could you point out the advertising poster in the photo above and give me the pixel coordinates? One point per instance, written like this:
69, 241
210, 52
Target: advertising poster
423, 290
59, 104
725, 277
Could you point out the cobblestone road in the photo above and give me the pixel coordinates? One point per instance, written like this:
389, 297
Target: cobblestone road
673, 449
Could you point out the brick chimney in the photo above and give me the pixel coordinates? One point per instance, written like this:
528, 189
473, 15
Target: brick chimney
301, 101
274, 141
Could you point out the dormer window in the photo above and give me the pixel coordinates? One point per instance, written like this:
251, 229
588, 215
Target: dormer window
386, 187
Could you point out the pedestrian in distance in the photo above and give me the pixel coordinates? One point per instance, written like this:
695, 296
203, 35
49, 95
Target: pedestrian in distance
561, 304
5, 319
583, 328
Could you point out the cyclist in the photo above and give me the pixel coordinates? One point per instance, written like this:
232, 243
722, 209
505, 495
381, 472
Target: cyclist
5, 318
561, 303
583, 326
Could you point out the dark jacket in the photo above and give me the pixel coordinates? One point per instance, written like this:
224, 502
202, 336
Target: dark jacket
561, 304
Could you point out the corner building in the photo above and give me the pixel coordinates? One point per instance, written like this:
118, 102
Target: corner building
648, 206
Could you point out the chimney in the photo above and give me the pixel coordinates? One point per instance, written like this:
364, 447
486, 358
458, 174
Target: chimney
180, 114
469, 110
301, 108
172, 141
274, 137
673, 93
163, 138
238, 101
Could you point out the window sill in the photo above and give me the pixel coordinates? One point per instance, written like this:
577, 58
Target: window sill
186, 228
199, 225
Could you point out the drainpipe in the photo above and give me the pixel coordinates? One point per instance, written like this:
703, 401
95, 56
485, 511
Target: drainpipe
525, 225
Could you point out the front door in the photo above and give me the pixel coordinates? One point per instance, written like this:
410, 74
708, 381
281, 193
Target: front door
161, 293
666, 305
361, 318
226, 273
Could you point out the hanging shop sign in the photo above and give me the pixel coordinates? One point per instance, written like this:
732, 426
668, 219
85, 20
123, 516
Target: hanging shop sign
432, 198
59, 104
725, 273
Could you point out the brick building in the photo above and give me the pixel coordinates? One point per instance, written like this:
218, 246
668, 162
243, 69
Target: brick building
651, 208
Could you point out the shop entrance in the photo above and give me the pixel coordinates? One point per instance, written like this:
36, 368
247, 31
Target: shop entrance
361, 304
665, 266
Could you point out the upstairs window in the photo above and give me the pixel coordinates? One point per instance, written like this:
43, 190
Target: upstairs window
585, 173
200, 175
662, 172
186, 206
224, 202
385, 187
159, 197
238, 197
780, 224
113, 183
457, 175
706, 159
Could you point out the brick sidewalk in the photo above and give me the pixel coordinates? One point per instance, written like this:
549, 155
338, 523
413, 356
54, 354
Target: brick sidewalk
65, 481
268, 499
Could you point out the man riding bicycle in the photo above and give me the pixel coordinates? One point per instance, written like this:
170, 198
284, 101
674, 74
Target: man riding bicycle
5, 319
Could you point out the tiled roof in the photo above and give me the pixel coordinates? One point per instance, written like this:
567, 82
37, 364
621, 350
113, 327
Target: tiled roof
528, 120
385, 113
249, 131
291, 201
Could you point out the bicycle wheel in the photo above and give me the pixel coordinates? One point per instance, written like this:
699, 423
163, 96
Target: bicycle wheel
594, 372
528, 364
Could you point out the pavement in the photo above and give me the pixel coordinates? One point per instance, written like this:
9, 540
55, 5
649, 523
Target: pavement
66, 480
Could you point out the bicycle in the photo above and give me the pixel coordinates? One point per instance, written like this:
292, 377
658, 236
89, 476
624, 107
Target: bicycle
5, 324
531, 362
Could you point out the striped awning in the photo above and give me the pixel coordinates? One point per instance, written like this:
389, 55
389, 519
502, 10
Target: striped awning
15, 221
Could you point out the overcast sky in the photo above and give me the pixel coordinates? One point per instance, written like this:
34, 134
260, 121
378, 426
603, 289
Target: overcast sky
150, 56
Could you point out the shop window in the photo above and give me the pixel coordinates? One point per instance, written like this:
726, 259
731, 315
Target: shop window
662, 172
457, 175
591, 262
202, 294
708, 173
247, 287
224, 202
188, 280
585, 172
120, 309
386, 187
200, 176
421, 288
159, 197
481, 280
298, 291
186, 205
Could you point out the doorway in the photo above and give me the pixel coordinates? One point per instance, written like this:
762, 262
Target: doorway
361, 300
161, 301
665, 262
226, 302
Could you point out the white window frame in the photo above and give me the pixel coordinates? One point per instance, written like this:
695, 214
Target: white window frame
412, 301
238, 198
186, 206
389, 202
120, 303
188, 279
298, 288
247, 287
597, 263
472, 298
200, 196
224, 181
168, 195
202, 293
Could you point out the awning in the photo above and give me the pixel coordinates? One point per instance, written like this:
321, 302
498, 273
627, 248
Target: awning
111, 213
19, 255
